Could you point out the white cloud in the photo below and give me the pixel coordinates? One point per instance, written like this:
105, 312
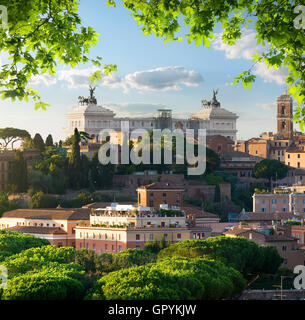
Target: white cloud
267, 106
43, 79
271, 74
163, 78
245, 48
76, 78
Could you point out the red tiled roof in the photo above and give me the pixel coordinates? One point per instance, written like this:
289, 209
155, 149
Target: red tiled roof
50, 214
37, 230
162, 186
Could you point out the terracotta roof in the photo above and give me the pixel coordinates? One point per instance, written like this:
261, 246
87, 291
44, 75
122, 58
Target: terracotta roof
238, 231
275, 238
229, 155
50, 214
162, 186
37, 230
198, 213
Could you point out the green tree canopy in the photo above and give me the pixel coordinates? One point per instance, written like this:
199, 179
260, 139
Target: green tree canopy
14, 242
49, 141
173, 279
39, 143
270, 169
243, 255
12, 135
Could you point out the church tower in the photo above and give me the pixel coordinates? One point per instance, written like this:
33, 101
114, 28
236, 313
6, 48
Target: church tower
284, 116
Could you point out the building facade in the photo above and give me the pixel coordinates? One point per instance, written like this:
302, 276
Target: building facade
56, 225
90, 117
119, 227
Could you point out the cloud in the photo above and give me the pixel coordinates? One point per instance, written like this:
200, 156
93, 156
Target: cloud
45, 79
76, 78
271, 74
164, 79
267, 106
245, 48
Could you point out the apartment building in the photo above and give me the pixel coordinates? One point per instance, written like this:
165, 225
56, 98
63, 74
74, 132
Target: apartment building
56, 225
119, 227
281, 200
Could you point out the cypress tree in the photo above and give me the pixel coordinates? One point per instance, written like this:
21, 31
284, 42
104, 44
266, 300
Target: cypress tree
38, 142
49, 141
75, 161
96, 171
217, 197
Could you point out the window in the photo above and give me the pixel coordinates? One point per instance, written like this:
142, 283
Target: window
112, 248
263, 209
151, 237
299, 156
93, 247
284, 209
106, 247
138, 248
164, 195
288, 156
284, 248
298, 164
179, 236
80, 245
120, 248
59, 245
87, 246
273, 201
137, 237
263, 201
284, 201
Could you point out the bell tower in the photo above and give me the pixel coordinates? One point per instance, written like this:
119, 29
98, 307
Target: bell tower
284, 116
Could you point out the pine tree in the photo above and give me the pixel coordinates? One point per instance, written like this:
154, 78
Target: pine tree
75, 162
38, 142
49, 141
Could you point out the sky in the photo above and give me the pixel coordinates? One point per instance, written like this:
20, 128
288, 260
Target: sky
151, 75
